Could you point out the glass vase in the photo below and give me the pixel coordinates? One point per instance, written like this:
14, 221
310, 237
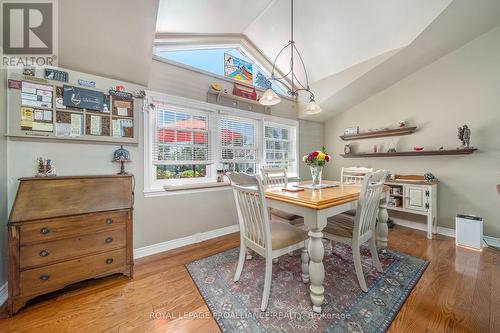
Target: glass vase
316, 173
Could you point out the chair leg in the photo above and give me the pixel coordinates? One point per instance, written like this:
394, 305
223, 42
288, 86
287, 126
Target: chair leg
305, 265
358, 267
241, 261
267, 284
374, 252
249, 254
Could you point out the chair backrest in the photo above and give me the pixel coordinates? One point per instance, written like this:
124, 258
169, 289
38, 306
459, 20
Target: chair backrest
369, 202
251, 205
353, 175
274, 177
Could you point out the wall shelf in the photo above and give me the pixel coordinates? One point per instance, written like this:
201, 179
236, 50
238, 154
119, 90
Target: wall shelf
380, 134
465, 151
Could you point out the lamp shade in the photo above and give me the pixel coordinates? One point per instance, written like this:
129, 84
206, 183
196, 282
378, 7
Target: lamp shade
269, 98
312, 108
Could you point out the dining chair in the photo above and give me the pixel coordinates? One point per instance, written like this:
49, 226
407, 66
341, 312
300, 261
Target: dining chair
358, 229
269, 239
277, 177
353, 175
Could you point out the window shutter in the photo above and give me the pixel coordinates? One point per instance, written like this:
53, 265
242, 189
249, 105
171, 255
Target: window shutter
238, 143
181, 136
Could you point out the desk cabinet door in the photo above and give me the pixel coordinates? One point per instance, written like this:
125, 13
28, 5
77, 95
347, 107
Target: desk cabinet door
416, 198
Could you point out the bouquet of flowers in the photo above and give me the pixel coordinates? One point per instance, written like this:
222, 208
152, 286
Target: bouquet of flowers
317, 158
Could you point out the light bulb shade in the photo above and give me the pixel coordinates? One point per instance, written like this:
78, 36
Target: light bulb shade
312, 108
269, 98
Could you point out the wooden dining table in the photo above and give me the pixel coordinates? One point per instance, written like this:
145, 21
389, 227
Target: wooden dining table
316, 206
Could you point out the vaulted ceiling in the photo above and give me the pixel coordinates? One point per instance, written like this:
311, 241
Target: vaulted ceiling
341, 41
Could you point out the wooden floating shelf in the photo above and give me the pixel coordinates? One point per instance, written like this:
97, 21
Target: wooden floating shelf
413, 153
380, 134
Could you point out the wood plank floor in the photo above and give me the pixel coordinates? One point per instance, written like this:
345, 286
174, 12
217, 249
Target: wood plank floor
459, 292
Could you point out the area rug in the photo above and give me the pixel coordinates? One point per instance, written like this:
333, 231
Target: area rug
236, 305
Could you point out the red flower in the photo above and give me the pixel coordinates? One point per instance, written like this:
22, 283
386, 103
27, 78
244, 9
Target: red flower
327, 158
315, 153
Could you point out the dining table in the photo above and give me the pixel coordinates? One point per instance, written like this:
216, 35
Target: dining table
316, 206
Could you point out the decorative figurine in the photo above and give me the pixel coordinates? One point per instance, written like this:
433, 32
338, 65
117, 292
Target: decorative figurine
464, 136
429, 177
121, 155
347, 149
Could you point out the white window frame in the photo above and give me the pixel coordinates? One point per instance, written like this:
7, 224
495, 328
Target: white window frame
293, 170
165, 42
152, 185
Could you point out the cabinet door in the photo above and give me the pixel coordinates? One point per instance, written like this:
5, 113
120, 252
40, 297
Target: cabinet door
415, 198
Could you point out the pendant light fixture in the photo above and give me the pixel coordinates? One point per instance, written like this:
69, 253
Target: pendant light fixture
270, 97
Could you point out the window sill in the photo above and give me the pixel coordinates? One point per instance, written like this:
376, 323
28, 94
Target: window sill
169, 190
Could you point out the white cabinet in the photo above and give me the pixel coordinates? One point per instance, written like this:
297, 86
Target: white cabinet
416, 198
421, 199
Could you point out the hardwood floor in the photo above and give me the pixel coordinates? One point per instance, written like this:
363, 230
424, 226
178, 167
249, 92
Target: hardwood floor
459, 292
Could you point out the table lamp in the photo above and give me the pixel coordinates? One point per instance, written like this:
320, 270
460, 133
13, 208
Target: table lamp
121, 155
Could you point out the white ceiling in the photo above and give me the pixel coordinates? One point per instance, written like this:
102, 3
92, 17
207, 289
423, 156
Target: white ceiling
332, 35
351, 48
205, 16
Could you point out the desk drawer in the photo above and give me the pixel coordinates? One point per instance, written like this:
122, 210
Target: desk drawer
74, 226
54, 251
53, 277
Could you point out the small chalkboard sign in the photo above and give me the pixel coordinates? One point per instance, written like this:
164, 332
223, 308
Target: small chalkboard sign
121, 94
56, 75
83, 98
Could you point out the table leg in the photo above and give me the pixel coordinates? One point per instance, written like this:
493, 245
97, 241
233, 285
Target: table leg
316, 268
383, 230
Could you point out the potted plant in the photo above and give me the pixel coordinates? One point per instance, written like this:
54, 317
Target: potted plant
316, 161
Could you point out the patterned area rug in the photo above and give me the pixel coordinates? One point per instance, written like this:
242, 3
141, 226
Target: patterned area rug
236, 306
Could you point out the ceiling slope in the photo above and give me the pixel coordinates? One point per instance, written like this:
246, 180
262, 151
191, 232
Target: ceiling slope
113, 38
461, 22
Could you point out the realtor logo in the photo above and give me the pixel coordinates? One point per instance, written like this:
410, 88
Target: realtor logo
29, 33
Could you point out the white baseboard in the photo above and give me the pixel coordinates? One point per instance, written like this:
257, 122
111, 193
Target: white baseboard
442, 230
4, 293
179, 242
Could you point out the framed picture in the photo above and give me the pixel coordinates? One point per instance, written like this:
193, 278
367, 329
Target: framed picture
238, 69
351, 130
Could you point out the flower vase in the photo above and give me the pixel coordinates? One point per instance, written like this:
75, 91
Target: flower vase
316, 173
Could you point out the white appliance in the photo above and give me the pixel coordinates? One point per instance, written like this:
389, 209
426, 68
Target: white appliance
469, 231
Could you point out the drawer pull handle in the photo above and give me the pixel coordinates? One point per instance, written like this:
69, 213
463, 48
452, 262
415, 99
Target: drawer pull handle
44, 231
109, 261
109, 221
108, 240
44, 277
44, 253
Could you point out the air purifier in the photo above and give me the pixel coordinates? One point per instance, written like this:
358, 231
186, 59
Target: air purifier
469, 231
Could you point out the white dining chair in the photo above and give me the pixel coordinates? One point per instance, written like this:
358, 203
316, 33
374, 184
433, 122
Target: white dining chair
353, 175
358, 229
269, 239
277, 177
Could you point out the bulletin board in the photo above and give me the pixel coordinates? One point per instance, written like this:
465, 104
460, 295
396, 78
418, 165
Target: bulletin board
81, 107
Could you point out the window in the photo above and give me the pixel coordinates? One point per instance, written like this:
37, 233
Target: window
212, 61
181, 147
279, 150
188, 141
238, 148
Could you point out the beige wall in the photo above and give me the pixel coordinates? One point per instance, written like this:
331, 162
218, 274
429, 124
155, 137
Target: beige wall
462, 87
157, 219
3, 181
